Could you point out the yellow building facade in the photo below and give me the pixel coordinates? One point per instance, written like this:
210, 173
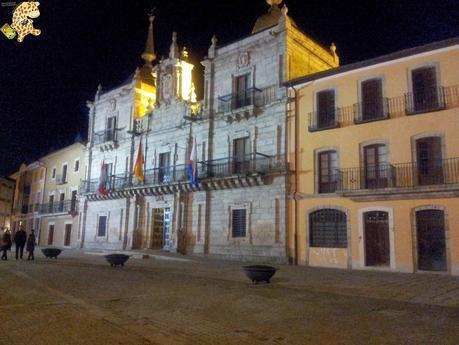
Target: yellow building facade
374, 147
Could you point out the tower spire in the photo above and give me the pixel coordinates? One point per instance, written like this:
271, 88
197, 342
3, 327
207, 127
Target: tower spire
149, 54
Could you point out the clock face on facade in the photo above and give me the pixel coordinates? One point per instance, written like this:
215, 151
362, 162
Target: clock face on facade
167, 87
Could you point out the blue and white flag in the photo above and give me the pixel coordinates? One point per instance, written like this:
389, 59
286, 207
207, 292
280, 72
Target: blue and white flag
193, 165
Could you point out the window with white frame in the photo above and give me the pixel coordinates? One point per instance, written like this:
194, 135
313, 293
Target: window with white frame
76, 166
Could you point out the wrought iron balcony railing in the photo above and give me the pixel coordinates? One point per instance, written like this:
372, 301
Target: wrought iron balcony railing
425, 100
404, 175
237, 100
324, 119
61, 179
108, 135
419, 102
246, 165
66, 206
371, 111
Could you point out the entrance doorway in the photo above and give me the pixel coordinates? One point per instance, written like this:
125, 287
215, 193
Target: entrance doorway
67, 235
377, 242
430, 226
160, 229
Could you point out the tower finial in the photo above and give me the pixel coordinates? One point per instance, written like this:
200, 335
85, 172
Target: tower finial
174, 51
149, 54
273, 3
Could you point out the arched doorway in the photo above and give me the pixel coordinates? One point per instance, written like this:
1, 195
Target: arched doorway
377, 240
431, 243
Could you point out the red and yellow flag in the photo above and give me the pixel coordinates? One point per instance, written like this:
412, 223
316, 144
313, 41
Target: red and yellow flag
138, 168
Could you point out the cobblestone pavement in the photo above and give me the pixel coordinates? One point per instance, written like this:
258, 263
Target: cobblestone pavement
168, 299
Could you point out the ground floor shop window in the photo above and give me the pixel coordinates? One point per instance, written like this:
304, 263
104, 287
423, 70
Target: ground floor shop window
328, 229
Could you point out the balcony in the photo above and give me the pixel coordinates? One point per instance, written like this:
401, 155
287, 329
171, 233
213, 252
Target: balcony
324, 119
67, 206
409, 104
238, 100
425, 100
371, 111
165, 180
418, 177
109, 137
61, 179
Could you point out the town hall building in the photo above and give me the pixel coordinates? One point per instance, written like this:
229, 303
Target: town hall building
234, 204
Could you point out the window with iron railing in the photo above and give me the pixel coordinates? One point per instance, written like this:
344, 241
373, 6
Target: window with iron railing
328, 172
426, 95
372, 106
328, 229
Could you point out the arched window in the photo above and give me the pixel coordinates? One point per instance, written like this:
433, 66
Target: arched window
328, 229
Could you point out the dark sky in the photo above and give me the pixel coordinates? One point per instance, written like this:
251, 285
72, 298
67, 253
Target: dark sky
46, 80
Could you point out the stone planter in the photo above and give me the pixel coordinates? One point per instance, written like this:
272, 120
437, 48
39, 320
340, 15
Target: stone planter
259, 273
116, 259
51, 253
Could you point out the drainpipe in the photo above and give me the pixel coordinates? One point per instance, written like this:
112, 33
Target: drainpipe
295, 192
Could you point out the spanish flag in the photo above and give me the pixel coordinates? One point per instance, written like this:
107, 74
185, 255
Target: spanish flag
138, 168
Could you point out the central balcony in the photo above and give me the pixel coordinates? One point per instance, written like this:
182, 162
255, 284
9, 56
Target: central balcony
230, 172
439, 176
58, 207
109, 138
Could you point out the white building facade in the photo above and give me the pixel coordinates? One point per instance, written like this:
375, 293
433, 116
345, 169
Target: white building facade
238, 207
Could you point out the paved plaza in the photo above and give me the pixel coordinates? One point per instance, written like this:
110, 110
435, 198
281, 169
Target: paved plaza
170, 299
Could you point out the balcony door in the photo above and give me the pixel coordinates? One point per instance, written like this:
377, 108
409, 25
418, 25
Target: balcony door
372, 99
429, 161
111, 128
425, 90
376, 167
73, 201
241, 155
242, 87
326, 109
164, 167
328, 172
377, 241
51, 204
61, 202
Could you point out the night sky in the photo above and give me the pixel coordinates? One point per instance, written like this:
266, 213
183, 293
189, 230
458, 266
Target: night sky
46, 80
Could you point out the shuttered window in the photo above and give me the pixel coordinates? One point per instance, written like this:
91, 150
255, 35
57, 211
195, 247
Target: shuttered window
239, 223
102, 229
328, 172
328, 229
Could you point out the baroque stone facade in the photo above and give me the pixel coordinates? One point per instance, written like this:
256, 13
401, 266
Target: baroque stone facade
238, 207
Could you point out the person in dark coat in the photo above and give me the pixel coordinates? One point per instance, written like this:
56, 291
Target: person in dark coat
31, 245
5, 244
20, 238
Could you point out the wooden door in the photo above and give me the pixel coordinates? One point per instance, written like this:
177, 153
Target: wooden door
372, 99
377, 245
50, 235
67, 235
429, 161
430, 226
326, 109
157, 228
425, 93
242, 96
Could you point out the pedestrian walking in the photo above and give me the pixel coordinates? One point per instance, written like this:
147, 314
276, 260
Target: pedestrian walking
31, 245
5, 244
20, 238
